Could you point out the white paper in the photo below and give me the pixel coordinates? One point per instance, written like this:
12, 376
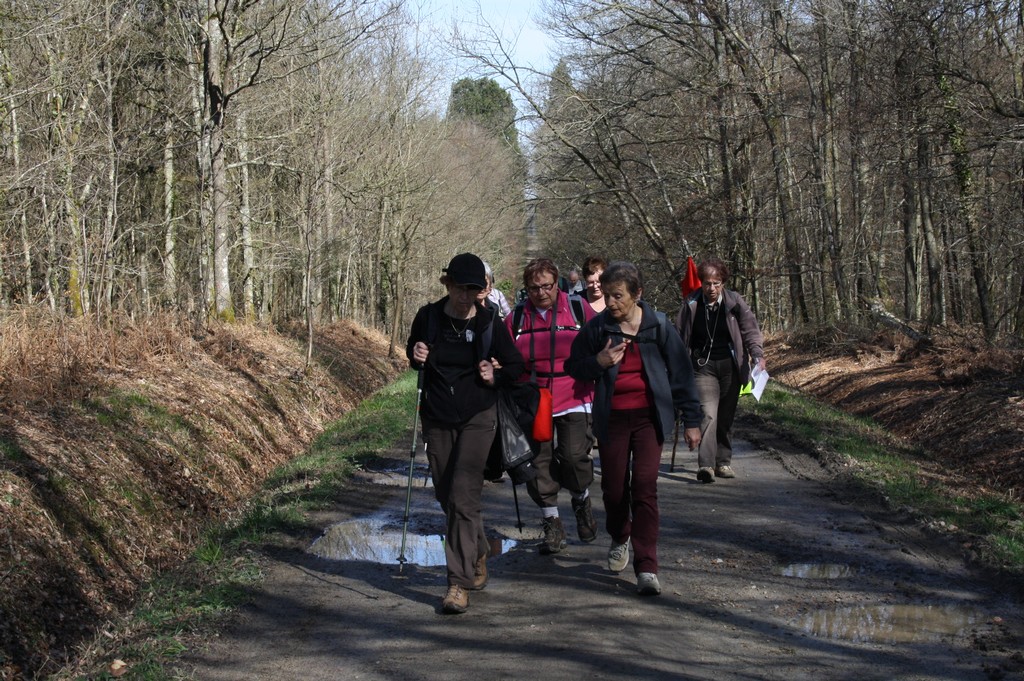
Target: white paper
760, 378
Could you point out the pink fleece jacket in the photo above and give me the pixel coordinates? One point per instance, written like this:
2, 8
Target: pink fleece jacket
568, 393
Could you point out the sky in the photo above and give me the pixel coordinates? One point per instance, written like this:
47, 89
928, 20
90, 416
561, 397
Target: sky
512, 19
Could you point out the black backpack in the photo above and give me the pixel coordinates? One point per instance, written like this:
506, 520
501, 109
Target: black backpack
575, 306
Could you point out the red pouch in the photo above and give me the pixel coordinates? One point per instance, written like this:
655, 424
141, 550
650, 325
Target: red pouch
543, 426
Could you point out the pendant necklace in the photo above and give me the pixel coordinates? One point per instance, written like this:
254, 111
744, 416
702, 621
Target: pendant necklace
708, 328
464, 331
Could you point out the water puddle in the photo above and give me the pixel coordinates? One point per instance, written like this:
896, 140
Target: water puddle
815, 570
892, 623
377, 540
394, 478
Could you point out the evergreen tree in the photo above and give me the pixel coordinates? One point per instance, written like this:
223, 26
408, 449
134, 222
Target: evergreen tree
487, 104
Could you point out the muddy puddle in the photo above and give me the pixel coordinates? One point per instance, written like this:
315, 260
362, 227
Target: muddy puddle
892, 623
396, 477
815, 570
379, 540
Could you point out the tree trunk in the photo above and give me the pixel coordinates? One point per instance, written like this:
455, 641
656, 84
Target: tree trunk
105, 296
933, 254
170, 261
215, 69
911, 220
724, 153
967, 201
245, 222
203, 297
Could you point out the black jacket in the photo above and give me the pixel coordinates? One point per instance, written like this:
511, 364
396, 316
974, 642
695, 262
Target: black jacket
666, 366
453, 391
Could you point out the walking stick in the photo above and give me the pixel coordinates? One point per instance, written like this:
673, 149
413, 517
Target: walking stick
412, 458
519, 519
675, 443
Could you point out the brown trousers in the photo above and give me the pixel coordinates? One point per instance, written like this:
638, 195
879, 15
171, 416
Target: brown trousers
457, 455
568, 464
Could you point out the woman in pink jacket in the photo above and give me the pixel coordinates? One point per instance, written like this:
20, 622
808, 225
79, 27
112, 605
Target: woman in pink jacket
544, 327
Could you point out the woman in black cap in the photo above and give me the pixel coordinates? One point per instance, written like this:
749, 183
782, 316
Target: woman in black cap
466, 356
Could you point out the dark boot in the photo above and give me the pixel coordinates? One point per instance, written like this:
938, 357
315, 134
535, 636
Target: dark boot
586, 525
554, 536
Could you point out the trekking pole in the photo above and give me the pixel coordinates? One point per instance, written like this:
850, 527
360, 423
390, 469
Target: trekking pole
412, 458
675, 443
519, 519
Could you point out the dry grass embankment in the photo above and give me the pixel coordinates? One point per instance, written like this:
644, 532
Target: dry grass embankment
957, 399
119, 444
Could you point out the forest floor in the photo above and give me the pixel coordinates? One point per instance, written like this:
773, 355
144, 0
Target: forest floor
785, 572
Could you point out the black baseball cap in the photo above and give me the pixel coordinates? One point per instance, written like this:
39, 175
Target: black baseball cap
466, 269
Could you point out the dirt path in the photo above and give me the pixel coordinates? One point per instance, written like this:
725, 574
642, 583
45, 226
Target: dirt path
773, 575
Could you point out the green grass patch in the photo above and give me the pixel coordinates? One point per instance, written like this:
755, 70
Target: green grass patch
121, 407
139, 498
376, 425
897, 472
175, 606
12, 452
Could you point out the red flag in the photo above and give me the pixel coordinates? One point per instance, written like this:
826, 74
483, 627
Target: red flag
691, 282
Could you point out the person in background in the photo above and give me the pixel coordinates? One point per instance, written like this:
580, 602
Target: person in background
592, 269
723, 339
642, 379
575, 283
543, 328
493, 471
465, 356
494, 295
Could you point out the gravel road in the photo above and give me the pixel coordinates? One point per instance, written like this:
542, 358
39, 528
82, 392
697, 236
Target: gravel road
780, 573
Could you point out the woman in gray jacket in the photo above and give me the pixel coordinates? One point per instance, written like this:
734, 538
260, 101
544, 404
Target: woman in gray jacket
643, 378
723, 339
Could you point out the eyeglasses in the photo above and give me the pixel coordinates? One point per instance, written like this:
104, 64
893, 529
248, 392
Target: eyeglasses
543, 287
713, 284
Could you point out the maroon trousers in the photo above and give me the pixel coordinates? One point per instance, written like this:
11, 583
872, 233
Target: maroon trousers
630, 460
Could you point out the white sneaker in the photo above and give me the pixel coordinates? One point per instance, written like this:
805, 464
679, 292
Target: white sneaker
618, 556
647, 584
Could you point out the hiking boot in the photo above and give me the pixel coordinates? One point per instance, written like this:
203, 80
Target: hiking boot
554, 536
706, 475
586, 526
480, 573
724, 472
647, 584
618, 557
455, 601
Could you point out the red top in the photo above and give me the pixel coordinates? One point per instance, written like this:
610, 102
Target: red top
631, 391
